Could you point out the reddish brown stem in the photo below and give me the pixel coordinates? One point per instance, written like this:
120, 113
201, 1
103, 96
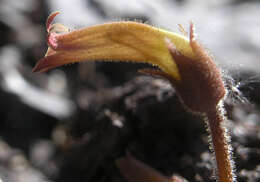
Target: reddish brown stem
220, 145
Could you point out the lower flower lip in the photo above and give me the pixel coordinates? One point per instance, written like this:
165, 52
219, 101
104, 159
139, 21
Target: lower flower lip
41, 66
50, 62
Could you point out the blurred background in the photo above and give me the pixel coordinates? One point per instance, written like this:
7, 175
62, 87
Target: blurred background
72, 123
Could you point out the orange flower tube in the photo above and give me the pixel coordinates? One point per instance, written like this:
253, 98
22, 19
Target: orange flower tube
117, 41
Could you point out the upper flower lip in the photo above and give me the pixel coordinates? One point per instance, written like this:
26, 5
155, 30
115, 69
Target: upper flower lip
116, 41
50, 20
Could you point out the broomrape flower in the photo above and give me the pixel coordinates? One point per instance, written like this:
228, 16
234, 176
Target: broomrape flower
180, 59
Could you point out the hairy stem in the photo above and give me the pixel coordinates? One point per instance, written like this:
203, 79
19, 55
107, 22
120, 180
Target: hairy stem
220, 145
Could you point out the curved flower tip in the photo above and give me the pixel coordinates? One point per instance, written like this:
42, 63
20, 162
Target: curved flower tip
116, 41
50, 20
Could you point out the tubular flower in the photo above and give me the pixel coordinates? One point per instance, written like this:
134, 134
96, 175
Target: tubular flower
117, 41
180, 59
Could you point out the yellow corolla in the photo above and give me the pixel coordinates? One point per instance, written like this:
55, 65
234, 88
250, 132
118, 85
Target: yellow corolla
116, 41
180, 59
